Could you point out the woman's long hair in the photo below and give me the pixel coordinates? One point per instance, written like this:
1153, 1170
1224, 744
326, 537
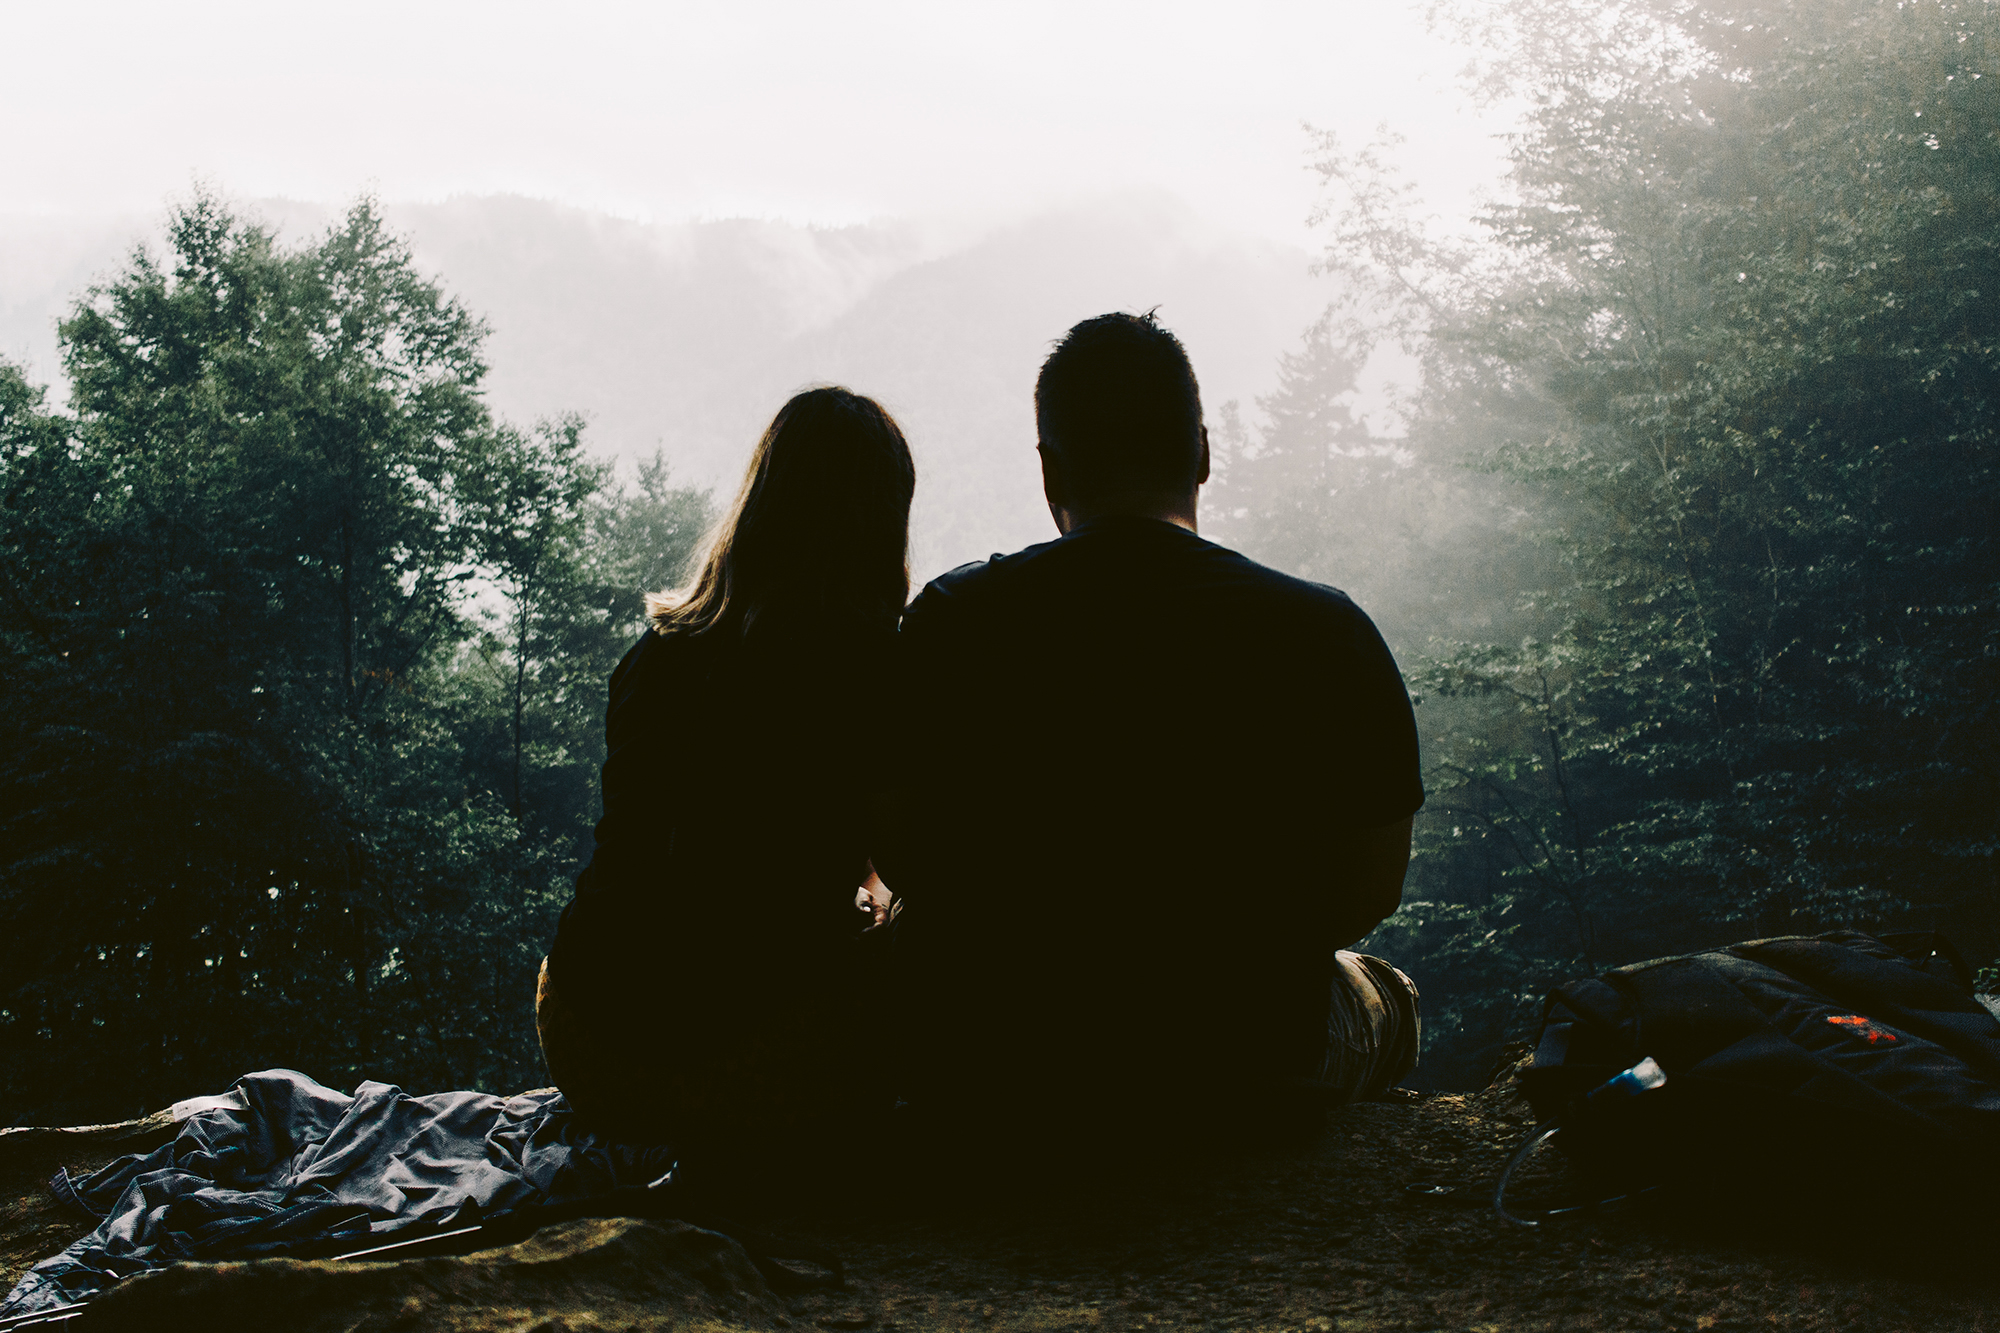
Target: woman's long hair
819, 531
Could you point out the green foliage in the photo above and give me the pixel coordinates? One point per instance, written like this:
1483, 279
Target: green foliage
255, 800
534, 505
574, 557
1727, 362
642, 539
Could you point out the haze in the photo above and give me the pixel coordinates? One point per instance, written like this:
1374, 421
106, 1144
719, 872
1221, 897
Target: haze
811, 113
674, 215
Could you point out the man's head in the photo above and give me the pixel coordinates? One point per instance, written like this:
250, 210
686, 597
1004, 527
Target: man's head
1118, 415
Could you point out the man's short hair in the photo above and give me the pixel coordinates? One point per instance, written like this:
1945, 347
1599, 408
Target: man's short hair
1118, 406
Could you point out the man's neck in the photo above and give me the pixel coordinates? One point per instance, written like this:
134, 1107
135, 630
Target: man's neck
1177, 510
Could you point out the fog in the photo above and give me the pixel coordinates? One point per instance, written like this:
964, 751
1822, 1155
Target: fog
684, 337
821, 114
674, 216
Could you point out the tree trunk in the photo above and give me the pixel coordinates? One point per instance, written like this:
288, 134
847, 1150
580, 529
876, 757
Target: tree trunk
363, 1020
520, 693
347, 608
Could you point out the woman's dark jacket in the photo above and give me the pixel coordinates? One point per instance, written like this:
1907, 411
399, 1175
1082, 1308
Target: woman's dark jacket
734, 830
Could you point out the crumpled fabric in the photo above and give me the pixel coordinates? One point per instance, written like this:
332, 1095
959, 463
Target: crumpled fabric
280, 1164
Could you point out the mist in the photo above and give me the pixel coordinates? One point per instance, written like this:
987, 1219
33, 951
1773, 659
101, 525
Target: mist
684, 337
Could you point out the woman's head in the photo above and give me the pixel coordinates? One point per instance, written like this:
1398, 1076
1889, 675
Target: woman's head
819, 529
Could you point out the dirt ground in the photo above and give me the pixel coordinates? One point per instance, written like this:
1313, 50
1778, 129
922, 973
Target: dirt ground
1327, 1237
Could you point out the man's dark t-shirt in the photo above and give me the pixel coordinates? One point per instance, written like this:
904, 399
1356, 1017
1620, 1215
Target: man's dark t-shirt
1134, 759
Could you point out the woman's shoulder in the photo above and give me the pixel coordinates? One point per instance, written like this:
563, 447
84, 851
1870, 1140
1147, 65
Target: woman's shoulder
789, 656
661, 660
653, 649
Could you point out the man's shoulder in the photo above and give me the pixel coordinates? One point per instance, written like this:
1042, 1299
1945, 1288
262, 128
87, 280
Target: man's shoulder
1277, 583
977, 579
1216, 576
1277, 599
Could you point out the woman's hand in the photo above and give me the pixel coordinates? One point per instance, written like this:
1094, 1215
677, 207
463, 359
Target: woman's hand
874, 898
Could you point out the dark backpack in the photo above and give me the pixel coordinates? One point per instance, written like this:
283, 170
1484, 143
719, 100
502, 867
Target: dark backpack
1798, 1064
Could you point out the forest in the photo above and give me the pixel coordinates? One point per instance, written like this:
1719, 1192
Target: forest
1685, 510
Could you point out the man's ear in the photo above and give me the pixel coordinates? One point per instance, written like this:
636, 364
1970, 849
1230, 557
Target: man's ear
1055, 481
1201, 473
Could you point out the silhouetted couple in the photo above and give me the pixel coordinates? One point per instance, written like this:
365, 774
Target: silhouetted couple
1133, 794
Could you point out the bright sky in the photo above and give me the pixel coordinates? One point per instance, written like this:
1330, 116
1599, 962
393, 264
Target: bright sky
812, 112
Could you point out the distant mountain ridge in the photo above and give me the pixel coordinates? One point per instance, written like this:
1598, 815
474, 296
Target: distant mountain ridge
687, 336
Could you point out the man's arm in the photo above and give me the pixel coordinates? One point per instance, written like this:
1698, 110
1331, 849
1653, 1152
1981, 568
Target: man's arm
918, 683
1376, 861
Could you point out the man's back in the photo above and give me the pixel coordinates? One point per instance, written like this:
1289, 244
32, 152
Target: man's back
1136, 757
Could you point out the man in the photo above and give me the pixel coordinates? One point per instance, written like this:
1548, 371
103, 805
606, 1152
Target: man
1153, 789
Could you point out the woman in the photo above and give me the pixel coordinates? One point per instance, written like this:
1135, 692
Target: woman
704, 987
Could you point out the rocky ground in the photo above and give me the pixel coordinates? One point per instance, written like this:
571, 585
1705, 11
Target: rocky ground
1329, 1237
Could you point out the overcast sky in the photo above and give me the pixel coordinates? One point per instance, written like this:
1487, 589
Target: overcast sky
811, 112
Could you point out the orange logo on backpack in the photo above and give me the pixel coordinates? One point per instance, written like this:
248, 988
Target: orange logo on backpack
1862, 1027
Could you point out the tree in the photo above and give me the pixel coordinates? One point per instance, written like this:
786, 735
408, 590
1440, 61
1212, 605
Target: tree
1295, 490
1314, 491
572, 556
230, 575
1734, 345
643, 538
535, 516
295, 426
